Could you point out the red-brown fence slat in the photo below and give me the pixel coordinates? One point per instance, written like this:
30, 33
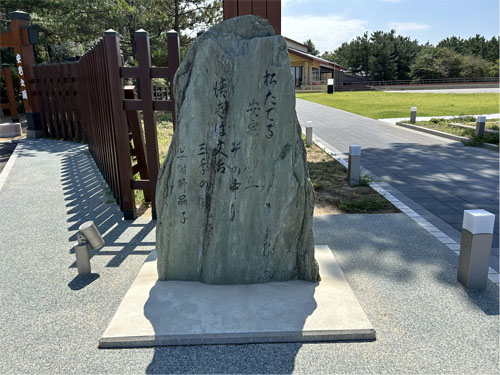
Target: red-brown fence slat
174, 59
114, 63
244, 7
259, 8
230, 9
148, 114
274, 15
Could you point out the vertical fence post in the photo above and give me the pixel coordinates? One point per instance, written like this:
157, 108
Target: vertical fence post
113, 65
152, 158
40, 86
134, 124
174, 58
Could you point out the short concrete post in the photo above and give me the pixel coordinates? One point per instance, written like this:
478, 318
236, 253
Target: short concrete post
480, 125
353, 171
413, 115
475, 248
82, 256
309, 133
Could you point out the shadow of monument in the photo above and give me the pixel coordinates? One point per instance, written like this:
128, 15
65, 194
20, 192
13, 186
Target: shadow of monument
191, 307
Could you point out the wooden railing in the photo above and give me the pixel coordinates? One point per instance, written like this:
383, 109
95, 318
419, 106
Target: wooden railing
87, 100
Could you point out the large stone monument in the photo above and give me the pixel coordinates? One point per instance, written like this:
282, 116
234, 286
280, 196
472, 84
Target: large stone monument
234, 199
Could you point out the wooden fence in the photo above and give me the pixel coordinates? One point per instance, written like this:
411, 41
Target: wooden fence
267, 9
88, 100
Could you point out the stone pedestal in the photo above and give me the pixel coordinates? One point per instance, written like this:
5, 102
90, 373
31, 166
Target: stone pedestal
9, 130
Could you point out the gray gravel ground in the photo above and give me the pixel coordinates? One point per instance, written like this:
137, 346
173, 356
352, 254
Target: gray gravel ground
51, 320
6, 149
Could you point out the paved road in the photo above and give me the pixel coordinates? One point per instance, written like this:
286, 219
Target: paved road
438, 178
51, 319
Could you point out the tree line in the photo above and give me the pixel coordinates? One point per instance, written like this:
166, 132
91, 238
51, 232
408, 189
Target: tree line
70, 27
387, 56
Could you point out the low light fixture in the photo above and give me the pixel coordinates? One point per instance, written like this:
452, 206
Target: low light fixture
88, 235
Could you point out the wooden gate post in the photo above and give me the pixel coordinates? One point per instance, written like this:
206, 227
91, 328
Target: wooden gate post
174, 60
148, 113
21, 37
113, 65
267, 9
12, 104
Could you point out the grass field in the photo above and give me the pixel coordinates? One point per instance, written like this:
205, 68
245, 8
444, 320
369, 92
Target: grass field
378, 104
450, 126
333, 195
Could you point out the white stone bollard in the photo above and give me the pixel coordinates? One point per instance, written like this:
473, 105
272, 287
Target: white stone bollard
480, 125
309, 133
82, 256
354, 166
94, 238
475, 248
413, 115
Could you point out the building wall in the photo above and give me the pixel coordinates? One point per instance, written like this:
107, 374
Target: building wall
307, 67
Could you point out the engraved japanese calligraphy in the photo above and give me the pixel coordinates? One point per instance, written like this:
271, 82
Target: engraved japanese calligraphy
234, 199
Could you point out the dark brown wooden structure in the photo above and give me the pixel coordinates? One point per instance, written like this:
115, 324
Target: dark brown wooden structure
21, 38
267, 9
11, 105
87, 99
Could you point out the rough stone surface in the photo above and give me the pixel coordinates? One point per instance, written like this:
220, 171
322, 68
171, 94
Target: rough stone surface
234, 199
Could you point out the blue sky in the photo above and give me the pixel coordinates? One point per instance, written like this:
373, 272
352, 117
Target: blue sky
329, 23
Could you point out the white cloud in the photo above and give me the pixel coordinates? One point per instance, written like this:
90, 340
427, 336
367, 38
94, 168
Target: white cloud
408, 26
327, 32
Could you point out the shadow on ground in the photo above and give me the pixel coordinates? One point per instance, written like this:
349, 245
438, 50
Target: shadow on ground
396, 248
88, 197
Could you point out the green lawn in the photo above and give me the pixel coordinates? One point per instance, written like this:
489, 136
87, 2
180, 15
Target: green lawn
378, 104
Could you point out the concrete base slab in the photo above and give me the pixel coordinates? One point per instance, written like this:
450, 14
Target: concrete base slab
157, 313
33, 134
12, 129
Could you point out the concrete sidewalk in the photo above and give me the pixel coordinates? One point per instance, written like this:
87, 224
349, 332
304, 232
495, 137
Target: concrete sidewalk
52, 320
436, 177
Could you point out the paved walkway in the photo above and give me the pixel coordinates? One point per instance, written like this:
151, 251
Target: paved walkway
52, 319
436, 177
